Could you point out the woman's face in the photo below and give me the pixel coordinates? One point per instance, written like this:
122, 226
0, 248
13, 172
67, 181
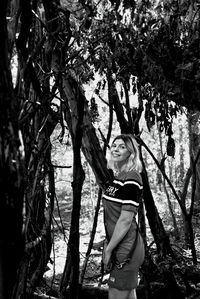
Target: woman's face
119, 151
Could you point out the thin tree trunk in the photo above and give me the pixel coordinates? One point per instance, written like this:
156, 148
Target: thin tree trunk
181, 154
70, 276
92, 236
194, 136
156, 225
176, 231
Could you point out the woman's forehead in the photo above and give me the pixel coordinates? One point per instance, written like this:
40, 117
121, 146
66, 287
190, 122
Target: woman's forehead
118, 141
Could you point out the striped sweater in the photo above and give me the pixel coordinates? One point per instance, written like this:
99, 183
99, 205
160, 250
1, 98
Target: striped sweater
123, 194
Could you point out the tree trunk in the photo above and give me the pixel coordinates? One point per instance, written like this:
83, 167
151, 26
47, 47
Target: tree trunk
163, 158
194, 136
71, 270
181, 154
156, 225
70, 276
90, 143
125, 127
92, 236
12, 172
194, 150
37, 126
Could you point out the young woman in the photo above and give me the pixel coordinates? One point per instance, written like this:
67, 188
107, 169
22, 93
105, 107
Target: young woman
124, 252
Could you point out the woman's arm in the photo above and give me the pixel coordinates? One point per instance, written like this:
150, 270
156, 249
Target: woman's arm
121, 228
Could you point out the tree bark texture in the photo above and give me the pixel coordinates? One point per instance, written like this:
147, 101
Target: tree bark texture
90, 143
36, 123
160, 237
12, 172
70, 276
194, 135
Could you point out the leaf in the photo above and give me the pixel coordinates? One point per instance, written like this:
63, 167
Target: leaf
170, 147
121, 93
149, 116
94, 114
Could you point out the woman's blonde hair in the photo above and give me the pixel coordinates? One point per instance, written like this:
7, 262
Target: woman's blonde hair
133, 162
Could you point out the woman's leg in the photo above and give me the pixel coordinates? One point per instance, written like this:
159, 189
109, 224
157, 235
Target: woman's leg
117, 294
132, 294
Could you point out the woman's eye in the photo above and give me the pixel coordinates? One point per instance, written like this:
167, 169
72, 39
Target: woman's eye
120, 147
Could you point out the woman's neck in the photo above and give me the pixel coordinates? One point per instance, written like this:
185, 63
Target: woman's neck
119, 167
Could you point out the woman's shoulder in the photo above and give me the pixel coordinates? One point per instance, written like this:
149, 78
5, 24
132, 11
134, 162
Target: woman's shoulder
133, 175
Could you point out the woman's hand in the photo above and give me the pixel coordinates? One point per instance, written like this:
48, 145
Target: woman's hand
121, 228
106, 256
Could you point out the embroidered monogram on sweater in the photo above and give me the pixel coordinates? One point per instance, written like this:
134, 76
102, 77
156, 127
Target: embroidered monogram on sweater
111, 190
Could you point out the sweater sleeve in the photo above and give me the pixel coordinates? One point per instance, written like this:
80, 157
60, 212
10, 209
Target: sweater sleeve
132, 192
